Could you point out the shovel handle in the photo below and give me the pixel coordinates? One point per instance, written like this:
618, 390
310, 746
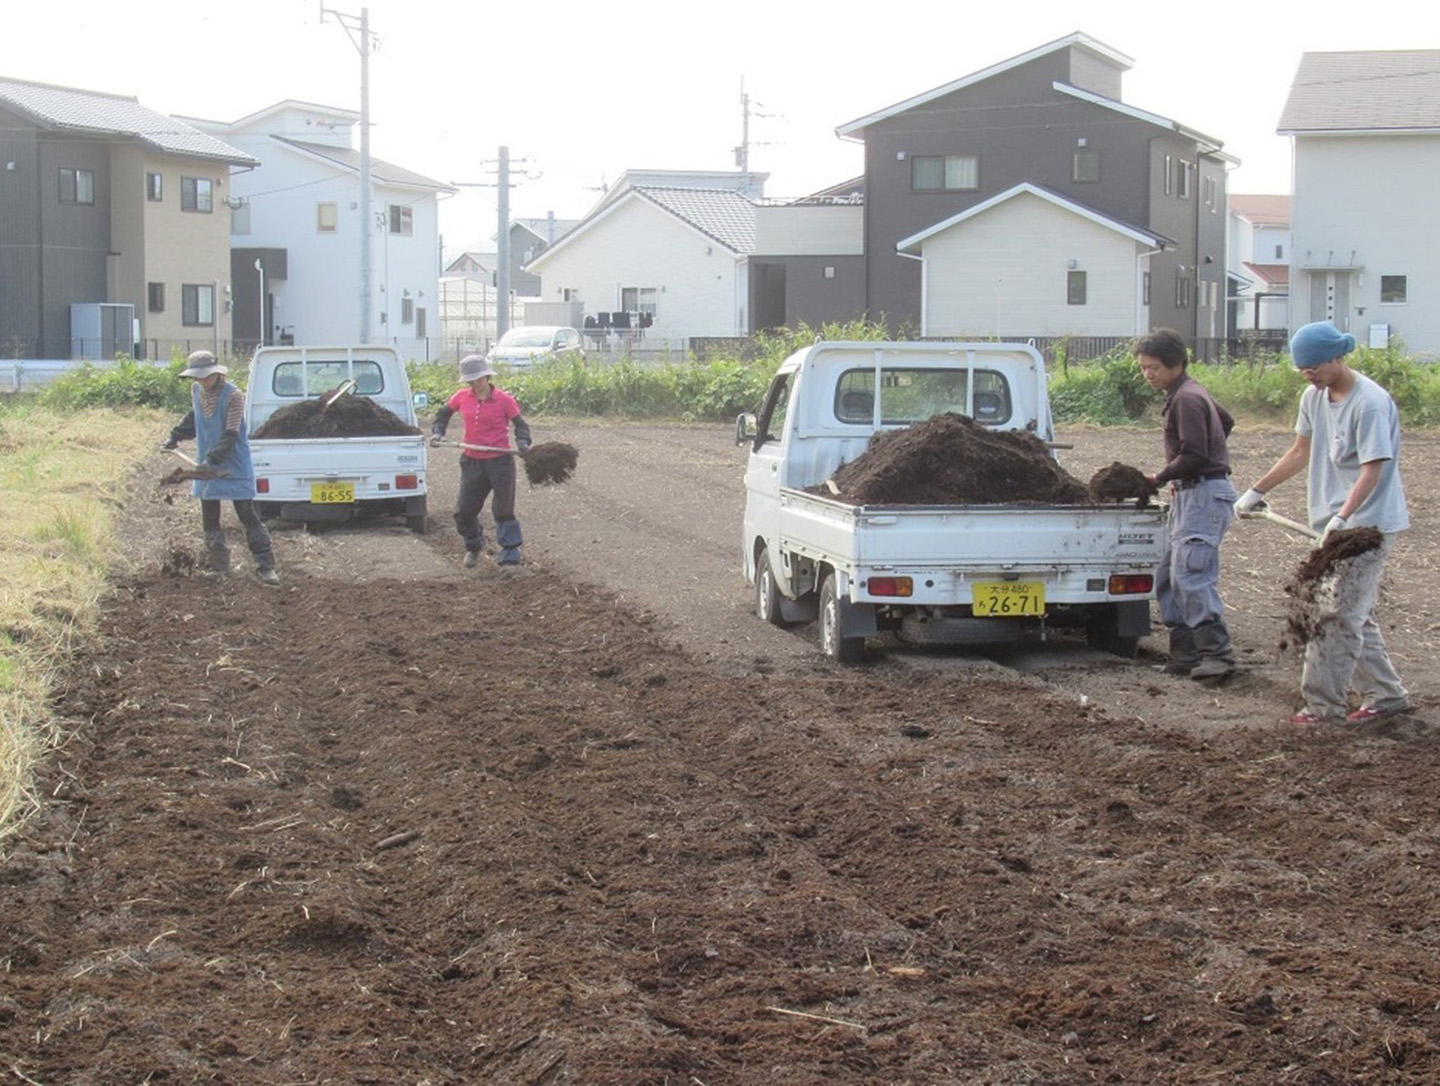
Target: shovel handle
201, 470
477, 448
1264, 512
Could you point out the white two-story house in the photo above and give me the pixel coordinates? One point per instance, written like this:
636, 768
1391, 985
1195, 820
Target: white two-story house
296, 235
1365, 134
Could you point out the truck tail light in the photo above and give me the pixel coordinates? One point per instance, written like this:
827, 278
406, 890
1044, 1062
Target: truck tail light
407, 482
262, 486
890, 586
1131, 584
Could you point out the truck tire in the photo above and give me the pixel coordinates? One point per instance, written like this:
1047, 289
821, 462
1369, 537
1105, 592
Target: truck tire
415, 516
767, 595
843, 650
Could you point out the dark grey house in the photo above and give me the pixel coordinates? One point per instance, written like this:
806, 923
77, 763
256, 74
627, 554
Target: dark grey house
1051, 126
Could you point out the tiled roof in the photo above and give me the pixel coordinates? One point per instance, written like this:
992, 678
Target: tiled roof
69, 110
722, 214
1375, 91
1262, 209
1275, 275
379, 169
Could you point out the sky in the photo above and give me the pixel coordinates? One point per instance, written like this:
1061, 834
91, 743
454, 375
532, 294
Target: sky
579, 92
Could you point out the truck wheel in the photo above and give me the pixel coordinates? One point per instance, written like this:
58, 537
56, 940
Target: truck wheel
767, 596
843, 650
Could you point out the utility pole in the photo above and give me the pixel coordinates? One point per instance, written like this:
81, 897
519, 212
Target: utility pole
502, 245
742, 152
502, 236
358, 31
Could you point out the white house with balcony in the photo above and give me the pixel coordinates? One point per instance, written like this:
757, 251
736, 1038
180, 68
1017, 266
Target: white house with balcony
296, 235
1365, 136
1258, 250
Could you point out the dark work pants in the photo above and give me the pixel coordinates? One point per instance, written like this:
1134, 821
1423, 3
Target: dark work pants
257, 536
479, 479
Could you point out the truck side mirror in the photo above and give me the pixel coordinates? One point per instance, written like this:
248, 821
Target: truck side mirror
744, 427
422, 399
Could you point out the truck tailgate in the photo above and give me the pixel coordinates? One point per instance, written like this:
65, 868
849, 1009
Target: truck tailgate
293, 465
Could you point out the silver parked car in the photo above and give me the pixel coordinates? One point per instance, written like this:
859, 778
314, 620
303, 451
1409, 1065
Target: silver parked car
534, 344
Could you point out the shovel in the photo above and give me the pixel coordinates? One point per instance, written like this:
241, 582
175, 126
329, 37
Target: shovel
1264, 512
201, 471
476, 448
341, 389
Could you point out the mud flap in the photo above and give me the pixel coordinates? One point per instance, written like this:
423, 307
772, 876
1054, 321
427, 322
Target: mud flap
856, 619
1132, 618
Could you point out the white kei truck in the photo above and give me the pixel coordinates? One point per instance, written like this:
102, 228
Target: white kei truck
975, 574
335, 479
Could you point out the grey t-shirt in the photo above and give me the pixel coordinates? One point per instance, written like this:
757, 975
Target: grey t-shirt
1361, 428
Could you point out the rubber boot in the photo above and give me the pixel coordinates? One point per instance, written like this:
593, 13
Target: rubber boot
1183, 656
507, 534
217, 555
1217, 655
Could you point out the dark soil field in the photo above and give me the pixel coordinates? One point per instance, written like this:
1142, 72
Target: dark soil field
593, 822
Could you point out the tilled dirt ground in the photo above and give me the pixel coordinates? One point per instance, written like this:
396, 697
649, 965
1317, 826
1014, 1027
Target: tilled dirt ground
592, 822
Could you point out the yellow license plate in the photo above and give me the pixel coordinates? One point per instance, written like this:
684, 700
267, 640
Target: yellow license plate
332, 493
1008, 599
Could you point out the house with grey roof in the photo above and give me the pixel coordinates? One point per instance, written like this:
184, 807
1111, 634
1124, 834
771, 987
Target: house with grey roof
1258, 255
1365, 139
663, 261
296, 235
1091, 215
114, 234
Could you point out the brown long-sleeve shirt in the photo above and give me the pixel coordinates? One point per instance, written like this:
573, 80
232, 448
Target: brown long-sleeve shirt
1195, 429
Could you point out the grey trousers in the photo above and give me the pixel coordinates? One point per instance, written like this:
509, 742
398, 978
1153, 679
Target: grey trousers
1186, 582
1348, 649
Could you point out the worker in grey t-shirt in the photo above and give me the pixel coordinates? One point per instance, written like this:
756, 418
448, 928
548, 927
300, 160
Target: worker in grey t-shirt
1348, 441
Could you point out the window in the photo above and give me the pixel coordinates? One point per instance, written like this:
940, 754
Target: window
77, 186
197, 304
327, 218
1279, 252
240, 219
945, 173
155, 293
638, 300
1145, 289
1087, 165
197, 194
407, 310
154, 187
1168, 167
1182, 289
1183, 180
1212, 192
1392, 289
400, 220
1075, 288
911, 394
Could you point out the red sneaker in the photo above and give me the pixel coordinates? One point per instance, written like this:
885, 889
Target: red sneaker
1305, 716
1367, 713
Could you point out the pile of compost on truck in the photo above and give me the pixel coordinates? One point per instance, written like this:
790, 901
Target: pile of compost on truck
952, 460
347, 416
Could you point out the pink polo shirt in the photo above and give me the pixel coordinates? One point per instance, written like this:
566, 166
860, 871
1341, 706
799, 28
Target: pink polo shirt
487, 421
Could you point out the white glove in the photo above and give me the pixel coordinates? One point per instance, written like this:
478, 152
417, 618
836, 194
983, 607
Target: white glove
1335, 524
1251, 500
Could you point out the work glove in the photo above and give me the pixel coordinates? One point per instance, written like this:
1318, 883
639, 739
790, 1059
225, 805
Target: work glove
1251, 500
170, 443
436, 437
523, 448
1334, 524
222, 448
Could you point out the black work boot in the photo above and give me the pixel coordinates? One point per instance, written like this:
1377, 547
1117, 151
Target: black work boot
1217, 655
1183, 656
217, 555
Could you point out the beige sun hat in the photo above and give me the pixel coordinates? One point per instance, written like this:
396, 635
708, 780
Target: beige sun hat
202, 364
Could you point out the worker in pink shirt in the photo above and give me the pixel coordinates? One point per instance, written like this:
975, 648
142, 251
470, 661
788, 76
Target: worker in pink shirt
489, 413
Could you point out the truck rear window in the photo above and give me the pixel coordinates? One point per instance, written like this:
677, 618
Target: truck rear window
909, 395
315, 378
